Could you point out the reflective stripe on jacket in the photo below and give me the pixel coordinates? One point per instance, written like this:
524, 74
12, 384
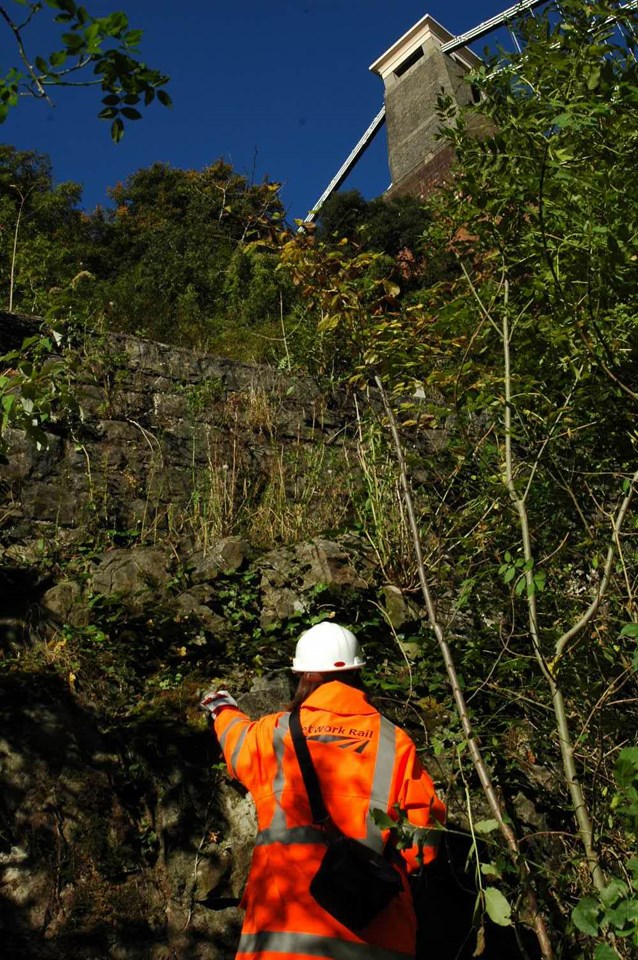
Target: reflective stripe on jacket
364, 763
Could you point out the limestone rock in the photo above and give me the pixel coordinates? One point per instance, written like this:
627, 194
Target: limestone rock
398, 608
280, 603
64, 603
80, 873
329, 563
290, 572
225, 556
135, 575
190, 606
269, 693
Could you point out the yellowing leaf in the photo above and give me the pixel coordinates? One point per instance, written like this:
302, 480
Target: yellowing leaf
480, 942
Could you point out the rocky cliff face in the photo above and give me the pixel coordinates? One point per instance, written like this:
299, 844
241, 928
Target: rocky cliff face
165, 537
120, 834
181, 527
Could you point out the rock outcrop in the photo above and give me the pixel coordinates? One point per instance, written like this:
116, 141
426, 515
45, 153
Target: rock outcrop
180, 528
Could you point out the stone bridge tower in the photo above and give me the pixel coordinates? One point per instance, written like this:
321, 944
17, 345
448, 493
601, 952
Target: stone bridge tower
414, 71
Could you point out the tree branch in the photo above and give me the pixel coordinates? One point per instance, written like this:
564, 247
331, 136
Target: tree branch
581, 812
617, 523
41, 92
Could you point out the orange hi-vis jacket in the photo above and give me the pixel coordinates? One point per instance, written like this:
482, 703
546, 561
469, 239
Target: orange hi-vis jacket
363, 763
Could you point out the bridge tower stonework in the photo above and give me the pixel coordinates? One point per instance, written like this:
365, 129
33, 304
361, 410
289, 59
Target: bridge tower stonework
415, 71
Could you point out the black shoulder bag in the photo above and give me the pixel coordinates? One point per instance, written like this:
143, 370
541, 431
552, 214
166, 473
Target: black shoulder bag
353, 883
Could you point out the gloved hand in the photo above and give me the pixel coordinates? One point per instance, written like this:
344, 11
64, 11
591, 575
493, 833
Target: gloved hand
213, 701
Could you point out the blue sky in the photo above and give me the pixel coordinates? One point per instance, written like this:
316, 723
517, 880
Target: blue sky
279, 88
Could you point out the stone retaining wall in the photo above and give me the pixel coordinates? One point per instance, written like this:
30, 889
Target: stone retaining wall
160, 432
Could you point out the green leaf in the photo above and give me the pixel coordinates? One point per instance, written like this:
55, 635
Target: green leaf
131, 114
586, 916
629, 630
486, 826
539, 580
382, 820
604, 952
29, 342
8, 402
74, 42
117, 130
593, 78
626, 769
497, 907
133, 37
626, 913
164, 98
563, 120
58, 59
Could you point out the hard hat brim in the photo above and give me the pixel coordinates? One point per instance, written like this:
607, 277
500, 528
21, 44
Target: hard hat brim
298, 667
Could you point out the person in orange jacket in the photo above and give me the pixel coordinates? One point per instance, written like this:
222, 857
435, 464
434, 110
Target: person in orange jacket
364, 763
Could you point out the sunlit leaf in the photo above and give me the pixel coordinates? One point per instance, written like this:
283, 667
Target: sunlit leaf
497, 907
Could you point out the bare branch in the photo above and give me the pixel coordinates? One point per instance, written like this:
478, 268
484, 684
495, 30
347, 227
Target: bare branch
617, 523
581, 812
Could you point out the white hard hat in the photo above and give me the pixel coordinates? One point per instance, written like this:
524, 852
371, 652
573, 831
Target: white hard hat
327, 647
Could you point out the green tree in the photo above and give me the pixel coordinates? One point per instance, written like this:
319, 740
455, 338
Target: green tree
384, 225
42, 231
88, 51
172, 252
36, 245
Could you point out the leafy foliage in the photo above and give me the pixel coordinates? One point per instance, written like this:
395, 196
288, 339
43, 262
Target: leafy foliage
184, 256
35, 389
615, 912
175, 245
44, 236
385, 226
519, 355
106, 46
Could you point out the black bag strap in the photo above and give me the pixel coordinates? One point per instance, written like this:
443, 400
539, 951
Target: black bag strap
320, 815
311, 781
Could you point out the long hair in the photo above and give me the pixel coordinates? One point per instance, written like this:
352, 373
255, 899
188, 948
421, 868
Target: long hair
306, 686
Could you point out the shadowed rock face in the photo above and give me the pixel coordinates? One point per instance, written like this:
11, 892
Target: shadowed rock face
114, 828
15, 328
126, 844
108, 841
